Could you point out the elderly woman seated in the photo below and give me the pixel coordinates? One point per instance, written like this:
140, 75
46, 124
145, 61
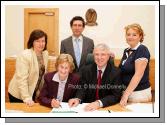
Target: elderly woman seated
60, 85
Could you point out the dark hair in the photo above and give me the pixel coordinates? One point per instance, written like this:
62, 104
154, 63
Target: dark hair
77, 18
36, 34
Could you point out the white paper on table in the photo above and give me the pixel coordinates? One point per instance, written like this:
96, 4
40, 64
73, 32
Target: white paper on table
78, 109
141, 107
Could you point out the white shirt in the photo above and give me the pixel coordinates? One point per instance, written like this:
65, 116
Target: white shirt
61, 87
103, 69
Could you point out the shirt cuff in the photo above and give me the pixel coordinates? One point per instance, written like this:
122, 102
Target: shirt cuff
100, 102
79, 100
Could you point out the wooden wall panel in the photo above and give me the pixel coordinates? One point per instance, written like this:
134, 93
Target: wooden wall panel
9, 72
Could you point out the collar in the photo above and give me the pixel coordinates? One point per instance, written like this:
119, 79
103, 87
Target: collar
104, 67
56, 78
135, 48
80, 38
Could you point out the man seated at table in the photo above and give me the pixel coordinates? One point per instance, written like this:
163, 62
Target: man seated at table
100, 81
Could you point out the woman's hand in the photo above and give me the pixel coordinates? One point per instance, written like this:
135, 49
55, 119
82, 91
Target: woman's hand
124, 100
29, 102
55, 103
73, 102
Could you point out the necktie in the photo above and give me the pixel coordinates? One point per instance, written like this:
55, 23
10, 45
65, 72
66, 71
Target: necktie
77, 52
129, 51
99, 80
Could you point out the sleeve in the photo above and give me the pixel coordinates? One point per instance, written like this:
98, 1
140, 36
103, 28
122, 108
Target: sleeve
76, 84
62, 49
116, 90
22, 74
80, 94
92, 46
142, 53
43, 99
46, 59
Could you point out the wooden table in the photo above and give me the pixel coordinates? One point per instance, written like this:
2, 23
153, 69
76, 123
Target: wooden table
37, 108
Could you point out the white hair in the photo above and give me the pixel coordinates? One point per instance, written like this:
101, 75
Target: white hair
103, 47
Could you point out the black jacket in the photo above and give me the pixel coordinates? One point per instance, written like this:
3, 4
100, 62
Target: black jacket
110, 91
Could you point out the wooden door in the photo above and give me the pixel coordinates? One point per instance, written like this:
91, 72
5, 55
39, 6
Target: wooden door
46, 19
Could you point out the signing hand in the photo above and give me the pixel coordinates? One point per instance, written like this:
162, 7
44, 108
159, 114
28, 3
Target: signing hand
55, 103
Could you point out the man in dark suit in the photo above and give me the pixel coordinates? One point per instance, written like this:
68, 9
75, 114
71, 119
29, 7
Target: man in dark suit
100, 81
77, 45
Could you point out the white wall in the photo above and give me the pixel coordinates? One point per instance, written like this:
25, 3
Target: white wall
110, 29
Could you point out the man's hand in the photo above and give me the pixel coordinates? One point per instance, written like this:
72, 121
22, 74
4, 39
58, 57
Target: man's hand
92, 106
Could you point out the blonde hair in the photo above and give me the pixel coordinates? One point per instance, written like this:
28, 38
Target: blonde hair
136, 27
65, 58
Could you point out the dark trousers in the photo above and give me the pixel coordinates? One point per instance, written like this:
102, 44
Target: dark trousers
13, 99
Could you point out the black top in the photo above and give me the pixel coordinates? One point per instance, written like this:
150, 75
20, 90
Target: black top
127, 66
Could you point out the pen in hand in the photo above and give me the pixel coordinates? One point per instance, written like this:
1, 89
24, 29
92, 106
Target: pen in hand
60, 106
55, 103
59, 102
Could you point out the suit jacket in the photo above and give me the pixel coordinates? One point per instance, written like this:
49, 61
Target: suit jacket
67, 47
110, 91
26, 75
50, 88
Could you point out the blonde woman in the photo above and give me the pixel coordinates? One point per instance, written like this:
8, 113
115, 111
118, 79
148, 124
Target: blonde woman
31, 65
135, 67
60, 85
